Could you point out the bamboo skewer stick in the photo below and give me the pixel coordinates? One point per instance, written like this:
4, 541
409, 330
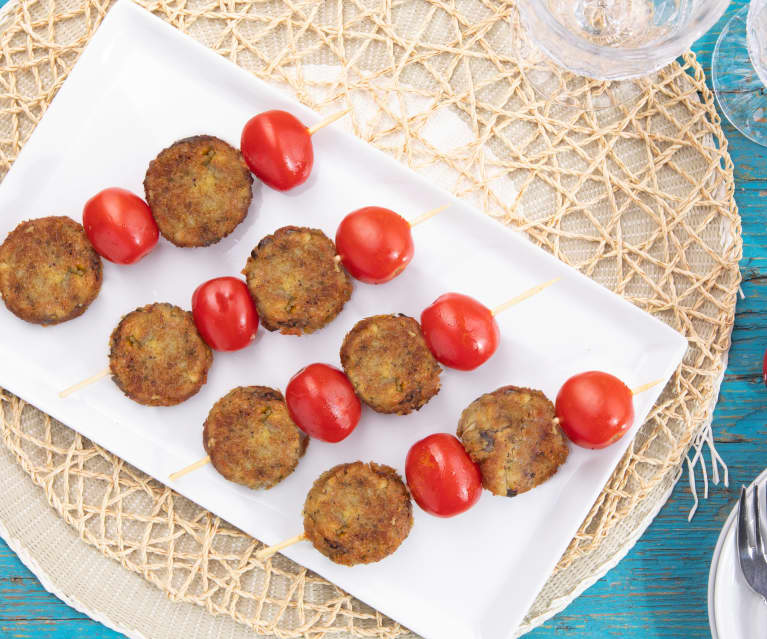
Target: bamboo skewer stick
188, 469
265, 553
329, 120
523, 296
86, 382
269, 551
428, 215
644, 387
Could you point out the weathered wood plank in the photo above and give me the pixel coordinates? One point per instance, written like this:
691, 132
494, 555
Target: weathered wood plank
76, 628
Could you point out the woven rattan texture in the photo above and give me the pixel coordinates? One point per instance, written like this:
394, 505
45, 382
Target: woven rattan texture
639, 197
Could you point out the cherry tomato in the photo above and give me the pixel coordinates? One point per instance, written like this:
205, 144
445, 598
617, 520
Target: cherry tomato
443, 479
278, 149
461, 332
595, 409
375, 244
120, 225
225, 313
764, 368
322, 403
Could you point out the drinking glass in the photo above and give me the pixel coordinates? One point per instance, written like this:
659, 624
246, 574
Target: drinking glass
740, 71
616, 42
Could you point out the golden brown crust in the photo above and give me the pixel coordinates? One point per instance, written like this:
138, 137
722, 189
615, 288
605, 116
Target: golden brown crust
49, 272
251, 439
358, 513
199, 190
512, 435
157, 357
295, 280
389, 364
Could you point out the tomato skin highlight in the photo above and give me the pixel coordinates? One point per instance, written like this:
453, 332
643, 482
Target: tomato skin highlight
225, 314
375, 244
460, 332
277, 149
595, 409
442, 478
322, 403
120, 225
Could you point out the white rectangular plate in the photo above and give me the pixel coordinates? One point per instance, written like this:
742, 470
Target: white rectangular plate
139, 86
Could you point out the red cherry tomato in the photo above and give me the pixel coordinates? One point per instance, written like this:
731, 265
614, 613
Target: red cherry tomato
443, 479
375, 244
595, 409
322, 403
764, 368
278, 149
461, 332
225, 314
120, 225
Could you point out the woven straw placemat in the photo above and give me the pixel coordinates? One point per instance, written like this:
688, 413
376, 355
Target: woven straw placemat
639, 197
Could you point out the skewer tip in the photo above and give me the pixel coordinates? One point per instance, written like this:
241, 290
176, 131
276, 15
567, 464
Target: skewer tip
86, 382
428, 215
523, 296
329, 120
188, 469
269, 551
644, 387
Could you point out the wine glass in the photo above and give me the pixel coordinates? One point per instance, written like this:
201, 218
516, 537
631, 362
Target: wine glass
740, 71
618, 43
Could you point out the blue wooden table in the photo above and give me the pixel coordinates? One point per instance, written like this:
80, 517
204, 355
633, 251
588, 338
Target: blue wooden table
659, 590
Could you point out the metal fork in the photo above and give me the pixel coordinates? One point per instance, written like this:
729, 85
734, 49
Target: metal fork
751, 544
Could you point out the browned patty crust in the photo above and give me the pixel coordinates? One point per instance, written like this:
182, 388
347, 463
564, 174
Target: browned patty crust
199, 190
295, 280
157, 357
512, 435
389, 364
358, 513
250, 437
49, 272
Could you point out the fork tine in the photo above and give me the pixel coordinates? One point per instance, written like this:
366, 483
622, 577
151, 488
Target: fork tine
758, 522
743, 547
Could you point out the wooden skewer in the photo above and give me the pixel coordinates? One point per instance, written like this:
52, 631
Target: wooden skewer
428, 215
523, 296
516, 300
265, 553
329, 120
644, 387
269, 551
188, 469
86, 382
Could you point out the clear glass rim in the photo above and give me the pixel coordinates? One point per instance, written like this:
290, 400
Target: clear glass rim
753, 8
668, 50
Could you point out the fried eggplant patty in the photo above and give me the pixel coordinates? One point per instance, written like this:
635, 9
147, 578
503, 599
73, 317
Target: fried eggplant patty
251, 439
157, 357
512, 435
199, 190
358, 513
49, 272
295, 280
389, 364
